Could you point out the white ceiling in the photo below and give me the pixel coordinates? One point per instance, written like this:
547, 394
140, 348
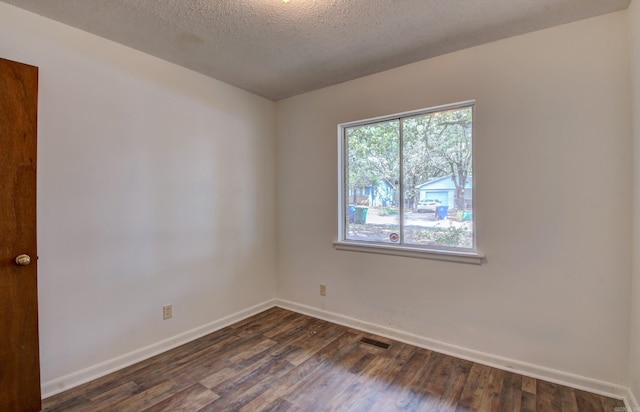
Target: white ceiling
278, 49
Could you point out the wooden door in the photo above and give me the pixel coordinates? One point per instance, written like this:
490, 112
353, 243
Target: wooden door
19, 348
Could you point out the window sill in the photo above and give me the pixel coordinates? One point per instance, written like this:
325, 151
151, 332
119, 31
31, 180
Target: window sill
446, 255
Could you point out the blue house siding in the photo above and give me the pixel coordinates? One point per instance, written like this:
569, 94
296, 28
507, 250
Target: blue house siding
382, 193
444, 190
442, 196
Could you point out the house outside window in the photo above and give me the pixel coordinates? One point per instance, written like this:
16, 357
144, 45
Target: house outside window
406, 184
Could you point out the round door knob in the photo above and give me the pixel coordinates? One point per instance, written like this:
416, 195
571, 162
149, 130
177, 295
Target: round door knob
23, 260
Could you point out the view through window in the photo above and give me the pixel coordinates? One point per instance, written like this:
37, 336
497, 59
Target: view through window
407, 180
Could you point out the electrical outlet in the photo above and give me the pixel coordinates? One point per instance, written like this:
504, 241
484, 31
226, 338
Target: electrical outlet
323, 290
167, 312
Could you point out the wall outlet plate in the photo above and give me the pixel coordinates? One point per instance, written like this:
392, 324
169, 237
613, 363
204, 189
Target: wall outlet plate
167, 312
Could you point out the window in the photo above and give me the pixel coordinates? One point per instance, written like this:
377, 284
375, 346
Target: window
406, 184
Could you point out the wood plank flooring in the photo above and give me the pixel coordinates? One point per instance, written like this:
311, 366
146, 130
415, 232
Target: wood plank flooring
284, 361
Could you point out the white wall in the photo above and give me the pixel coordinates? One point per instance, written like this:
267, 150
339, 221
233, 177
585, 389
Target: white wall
156, 185
553, 175
634, 362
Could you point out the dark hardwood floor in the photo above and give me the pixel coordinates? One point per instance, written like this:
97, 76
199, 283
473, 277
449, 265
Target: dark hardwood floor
284, 361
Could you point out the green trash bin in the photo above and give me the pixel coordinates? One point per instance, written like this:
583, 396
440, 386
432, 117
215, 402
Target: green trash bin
361, 215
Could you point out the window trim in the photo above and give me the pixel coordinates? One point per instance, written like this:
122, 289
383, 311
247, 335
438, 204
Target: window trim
407, 251
461, 255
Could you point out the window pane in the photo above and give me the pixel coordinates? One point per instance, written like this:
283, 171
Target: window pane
437, 179
372, 180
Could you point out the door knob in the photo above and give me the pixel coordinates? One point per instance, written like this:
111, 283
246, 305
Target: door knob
23, 260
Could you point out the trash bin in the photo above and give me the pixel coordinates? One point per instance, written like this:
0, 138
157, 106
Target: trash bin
360, 216
442, 211
352, 213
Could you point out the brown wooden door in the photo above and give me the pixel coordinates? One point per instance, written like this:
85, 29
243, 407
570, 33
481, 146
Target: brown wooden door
19, 349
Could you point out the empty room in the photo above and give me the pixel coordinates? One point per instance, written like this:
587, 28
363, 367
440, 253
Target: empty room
320, 205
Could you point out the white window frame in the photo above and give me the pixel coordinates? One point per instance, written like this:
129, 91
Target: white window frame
461, 255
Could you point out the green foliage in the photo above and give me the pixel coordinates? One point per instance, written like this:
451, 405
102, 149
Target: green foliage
373, 153
440, 236
451, 236
434, 145
387, 211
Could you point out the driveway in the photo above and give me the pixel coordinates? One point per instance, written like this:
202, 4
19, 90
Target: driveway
414, 219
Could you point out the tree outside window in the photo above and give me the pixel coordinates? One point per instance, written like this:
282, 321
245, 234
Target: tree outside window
408, 179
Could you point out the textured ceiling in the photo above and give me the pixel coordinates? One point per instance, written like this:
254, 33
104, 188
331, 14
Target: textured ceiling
279, 49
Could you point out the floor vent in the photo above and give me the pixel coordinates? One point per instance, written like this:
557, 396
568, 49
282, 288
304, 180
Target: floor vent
375, 343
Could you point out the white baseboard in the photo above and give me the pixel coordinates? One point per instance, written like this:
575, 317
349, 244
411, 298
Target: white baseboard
631, 402
511, 365
71, 380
